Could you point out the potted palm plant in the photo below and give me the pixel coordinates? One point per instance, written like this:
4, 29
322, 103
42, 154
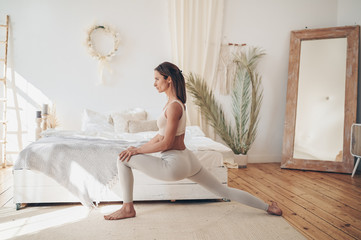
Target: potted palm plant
246, 95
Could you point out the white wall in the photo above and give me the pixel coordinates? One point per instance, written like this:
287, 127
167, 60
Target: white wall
47, 52
47, 55
267, 24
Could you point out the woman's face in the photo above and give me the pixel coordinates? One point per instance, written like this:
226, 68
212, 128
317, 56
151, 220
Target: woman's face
160, 83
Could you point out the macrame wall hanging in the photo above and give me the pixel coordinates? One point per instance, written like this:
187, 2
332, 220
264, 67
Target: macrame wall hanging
226, 71
102, 43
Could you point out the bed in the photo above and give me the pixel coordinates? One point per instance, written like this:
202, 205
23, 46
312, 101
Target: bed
80, 166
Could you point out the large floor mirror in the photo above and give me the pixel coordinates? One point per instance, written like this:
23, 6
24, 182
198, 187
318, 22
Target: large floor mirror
321, 99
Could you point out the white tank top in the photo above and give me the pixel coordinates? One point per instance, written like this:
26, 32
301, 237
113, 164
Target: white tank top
162, 121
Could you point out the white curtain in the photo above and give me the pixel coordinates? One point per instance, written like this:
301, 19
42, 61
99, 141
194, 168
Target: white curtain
196, 32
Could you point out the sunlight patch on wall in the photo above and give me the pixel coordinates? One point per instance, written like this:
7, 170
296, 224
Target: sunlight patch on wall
24, 100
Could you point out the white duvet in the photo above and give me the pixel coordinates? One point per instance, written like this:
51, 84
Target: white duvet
86, 165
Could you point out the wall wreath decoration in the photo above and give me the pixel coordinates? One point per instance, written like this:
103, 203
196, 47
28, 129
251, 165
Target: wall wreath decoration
101, 56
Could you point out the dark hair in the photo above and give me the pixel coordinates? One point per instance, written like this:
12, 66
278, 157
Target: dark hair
167, 69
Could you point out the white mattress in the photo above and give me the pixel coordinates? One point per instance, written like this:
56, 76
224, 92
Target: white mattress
31, 186
210, 160
37, 179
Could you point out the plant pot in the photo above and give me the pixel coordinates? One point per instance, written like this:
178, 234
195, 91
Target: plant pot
241, 160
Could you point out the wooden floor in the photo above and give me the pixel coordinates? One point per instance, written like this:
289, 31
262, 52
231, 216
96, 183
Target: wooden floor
6, 186
319, 205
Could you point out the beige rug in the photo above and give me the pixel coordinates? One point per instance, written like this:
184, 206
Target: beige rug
155, 220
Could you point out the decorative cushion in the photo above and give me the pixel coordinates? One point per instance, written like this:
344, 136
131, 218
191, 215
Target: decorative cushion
142, 126
121, 119
96, 122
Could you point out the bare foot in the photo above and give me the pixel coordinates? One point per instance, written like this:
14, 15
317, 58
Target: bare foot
274, 209
127, 211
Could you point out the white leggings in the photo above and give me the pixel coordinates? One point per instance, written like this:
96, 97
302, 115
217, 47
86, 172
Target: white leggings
174, 165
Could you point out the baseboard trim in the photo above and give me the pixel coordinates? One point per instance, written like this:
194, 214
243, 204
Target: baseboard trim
264, 158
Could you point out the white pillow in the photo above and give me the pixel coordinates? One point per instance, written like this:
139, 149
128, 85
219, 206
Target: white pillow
194, 131
121, 119
96, 122
136, 126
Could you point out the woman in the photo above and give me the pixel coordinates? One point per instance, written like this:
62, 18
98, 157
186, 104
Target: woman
176, 161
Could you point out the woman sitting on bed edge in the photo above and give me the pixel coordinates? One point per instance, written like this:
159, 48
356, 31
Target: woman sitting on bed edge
176, 161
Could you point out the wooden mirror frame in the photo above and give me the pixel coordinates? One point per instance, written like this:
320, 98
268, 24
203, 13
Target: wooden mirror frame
352, 34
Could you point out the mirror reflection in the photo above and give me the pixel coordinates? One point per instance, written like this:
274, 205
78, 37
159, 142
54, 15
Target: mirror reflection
319, 125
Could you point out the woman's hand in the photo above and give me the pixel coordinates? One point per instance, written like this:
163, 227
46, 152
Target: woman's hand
128, 153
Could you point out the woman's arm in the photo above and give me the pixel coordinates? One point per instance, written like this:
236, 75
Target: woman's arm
155, 139
158, 143
173, 114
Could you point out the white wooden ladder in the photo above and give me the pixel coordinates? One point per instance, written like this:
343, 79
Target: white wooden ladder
3, 92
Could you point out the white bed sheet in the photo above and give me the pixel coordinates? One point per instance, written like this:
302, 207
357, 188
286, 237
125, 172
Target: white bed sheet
72, 158
195, 140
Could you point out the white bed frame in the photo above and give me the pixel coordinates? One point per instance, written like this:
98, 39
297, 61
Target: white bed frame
31, 186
